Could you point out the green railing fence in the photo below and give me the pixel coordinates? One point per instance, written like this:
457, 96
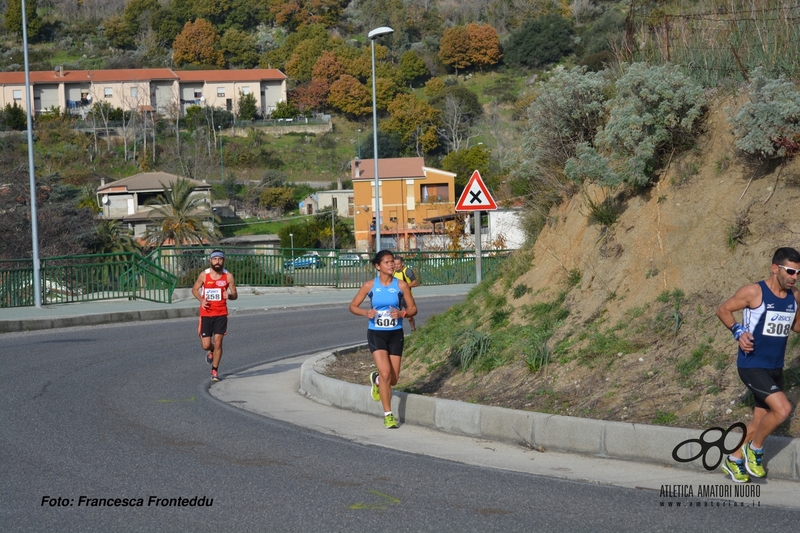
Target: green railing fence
81, 278
155, 277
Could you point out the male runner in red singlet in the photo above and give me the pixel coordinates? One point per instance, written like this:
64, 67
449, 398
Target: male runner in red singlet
214, 287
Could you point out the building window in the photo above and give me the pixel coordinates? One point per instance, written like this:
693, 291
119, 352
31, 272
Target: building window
198, 94
245, 90
134, 92
107, 92
435, 193
412, 220
17, 95
221, 92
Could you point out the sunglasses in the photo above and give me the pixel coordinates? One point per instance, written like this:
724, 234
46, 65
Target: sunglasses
790, 271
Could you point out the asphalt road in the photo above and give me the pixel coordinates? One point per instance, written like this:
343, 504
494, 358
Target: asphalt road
123, 412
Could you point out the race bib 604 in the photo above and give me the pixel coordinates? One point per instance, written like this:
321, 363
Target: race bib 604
384, 320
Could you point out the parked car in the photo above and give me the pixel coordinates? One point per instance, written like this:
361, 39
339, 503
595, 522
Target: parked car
346, 260
307, 260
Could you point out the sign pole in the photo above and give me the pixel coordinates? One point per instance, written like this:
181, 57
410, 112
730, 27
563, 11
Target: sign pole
478, 254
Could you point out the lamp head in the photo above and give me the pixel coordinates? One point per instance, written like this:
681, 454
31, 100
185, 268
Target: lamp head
378, 32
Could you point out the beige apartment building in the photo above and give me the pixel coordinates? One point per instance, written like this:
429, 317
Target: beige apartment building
163, 90
409, 194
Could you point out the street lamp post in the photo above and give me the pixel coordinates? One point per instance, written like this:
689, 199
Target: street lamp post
359, 143
37, 285
291, 240
221, 158
374, 34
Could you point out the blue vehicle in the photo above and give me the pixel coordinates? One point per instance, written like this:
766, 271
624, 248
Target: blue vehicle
307, 260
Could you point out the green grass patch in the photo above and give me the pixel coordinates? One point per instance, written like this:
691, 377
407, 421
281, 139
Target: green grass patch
664, 418
689, 366
520, 291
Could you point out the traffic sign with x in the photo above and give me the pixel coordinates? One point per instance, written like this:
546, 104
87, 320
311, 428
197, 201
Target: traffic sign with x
476, 196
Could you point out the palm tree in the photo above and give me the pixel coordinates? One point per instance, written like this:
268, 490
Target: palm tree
110, 239
181, 215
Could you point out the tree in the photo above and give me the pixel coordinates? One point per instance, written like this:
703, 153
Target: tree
454, 48
328, 67
415, 122
110, 238
198, 44
294, 14
464, 162
484, 45
303, 59
455, 128
14, 117
13, 18
285, 110
277, 197
541, 41
389, 145
248, 106
239, 48
181, 214
412, 68
350, 96
312, 96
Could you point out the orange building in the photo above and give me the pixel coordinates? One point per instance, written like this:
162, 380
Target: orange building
409, 193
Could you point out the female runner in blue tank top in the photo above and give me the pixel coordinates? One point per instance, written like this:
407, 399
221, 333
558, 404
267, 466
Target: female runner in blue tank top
385, 330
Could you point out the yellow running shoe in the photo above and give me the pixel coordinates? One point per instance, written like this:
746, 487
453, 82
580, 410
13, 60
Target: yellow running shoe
753, 460
390, 422
736, 470
376, 394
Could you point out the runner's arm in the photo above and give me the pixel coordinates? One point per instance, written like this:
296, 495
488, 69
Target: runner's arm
411, 305
747, 296
412, 278
196, 287
360, 296
232, 288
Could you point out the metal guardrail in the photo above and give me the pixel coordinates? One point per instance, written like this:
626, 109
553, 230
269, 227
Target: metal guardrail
83, 278
285, 267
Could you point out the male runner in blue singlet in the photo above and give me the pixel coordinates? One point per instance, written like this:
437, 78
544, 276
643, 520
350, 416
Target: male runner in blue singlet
769, 312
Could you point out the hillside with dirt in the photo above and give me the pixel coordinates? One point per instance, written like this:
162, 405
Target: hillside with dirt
635, 336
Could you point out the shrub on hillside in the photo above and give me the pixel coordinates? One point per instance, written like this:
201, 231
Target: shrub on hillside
768, 125
655, 110
568, 111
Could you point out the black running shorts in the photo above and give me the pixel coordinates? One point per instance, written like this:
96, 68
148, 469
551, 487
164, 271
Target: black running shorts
213, 325
390, 341
762, 382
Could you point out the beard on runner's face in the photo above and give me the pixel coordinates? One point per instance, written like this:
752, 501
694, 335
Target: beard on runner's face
217, 267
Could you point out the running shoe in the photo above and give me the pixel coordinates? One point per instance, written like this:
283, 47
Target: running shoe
214, 375
390, 422
209, 358
753, 461
376, 394
736, 470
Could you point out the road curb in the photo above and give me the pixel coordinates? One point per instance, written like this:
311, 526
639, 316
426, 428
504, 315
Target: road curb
33, 324
600, 438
